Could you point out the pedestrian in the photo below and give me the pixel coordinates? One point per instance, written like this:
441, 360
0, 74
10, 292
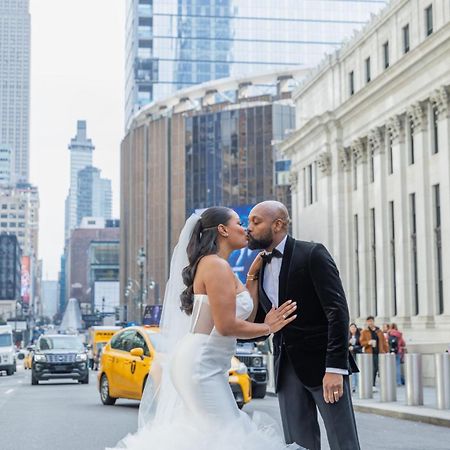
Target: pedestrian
354, 346
373, 341
397, 345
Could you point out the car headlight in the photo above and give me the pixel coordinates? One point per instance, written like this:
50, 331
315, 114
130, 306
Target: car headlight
257, 361
81, 357
40, 358
241, 368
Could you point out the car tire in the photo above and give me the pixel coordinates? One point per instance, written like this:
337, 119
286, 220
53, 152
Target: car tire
240, 405
9, 371
85, 380
259, 390
104, 391
15, 367
34, 380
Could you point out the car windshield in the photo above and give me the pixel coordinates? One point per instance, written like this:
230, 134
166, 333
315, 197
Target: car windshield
155, 339
5, 340
61, 343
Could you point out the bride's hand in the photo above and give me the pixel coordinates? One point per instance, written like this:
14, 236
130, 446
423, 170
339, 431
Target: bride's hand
278, 318
255, 266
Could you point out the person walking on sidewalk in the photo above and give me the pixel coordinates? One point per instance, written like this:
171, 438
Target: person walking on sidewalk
373, 341
397, 345
354, 347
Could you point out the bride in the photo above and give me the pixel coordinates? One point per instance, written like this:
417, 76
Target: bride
187, 403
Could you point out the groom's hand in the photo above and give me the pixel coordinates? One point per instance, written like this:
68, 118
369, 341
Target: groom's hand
333, 387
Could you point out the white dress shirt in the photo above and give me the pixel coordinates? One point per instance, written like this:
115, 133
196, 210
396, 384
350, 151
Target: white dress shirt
271, 284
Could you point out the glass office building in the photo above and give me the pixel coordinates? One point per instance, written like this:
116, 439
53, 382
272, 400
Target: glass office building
173, 44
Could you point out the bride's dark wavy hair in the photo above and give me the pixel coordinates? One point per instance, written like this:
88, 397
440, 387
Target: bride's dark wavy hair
203, 242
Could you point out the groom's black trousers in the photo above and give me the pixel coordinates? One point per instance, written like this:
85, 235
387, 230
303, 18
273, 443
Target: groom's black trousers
298, 407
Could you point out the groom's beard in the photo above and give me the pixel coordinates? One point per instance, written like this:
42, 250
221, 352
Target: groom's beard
259, 244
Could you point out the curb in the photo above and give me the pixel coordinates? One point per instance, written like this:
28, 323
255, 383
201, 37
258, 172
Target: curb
405, 415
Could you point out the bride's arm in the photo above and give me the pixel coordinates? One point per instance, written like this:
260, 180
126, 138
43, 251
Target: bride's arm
219, 283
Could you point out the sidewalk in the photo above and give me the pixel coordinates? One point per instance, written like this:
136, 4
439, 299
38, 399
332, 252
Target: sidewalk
428, 413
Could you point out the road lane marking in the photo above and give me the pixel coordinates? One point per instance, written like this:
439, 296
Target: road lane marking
9, 391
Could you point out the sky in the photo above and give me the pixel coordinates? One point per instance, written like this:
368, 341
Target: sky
77, 60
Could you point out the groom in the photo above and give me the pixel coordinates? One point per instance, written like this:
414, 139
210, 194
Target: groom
312, 362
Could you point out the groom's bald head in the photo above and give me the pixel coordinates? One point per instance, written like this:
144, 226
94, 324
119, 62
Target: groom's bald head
273, 210
268, 224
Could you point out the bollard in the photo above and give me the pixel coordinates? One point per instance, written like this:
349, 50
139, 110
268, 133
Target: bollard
388, 382
442, 365
365, 364
413, 378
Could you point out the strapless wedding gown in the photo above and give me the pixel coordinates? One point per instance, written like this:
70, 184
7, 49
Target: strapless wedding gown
210, 419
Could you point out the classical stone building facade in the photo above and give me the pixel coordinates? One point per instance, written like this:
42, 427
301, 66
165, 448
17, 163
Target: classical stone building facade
371, 167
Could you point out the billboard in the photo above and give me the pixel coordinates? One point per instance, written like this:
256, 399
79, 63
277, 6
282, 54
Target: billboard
25, 283
152, 315
240, 260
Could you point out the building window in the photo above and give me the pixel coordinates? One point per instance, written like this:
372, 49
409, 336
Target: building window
305, 198
393, 263
310, 185
357, 278
368, 75
429, 20
411, 144
435, 134
373, 247
412, 206
390, 156
386, 54
438, 244
371, 166
406, 38
351, 81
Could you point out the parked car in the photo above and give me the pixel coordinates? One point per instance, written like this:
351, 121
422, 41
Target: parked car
7, 350
59, 356
127, 359
251, 355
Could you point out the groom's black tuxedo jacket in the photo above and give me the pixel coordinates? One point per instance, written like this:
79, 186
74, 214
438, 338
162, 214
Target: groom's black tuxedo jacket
318, 337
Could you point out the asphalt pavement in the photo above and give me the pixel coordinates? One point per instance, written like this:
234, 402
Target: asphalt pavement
65, 415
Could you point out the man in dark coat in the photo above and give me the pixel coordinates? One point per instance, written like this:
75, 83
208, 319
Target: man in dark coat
311, 357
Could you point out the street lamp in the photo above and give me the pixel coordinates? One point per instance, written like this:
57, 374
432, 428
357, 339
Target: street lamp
141, 259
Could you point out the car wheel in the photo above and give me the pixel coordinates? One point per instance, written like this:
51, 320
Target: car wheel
259, 390
240, 405
85, 380
9, 371
104, 391
15, 367
34, 380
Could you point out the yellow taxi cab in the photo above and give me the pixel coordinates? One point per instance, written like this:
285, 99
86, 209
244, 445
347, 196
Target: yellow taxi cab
126, 361
240, 382
28, 360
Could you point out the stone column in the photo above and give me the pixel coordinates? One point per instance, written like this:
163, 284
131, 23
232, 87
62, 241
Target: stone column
360, 196
377, 147
343, 173
396, 131
424, 218
440, 100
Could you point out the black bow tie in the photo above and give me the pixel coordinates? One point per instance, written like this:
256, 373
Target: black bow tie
267, 257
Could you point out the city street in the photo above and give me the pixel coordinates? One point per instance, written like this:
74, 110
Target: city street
65, 415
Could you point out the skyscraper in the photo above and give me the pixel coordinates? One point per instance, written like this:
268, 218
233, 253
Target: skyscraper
173, 44
81, 149
15, 84
94, 195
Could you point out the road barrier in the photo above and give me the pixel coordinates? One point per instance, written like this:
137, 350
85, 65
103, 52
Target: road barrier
442, 365
365, 364
413, 378
388, 384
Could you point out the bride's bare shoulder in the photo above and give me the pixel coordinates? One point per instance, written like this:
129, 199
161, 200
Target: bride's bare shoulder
213, 263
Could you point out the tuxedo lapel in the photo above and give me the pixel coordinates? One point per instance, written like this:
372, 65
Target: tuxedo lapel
263, 298
284, 271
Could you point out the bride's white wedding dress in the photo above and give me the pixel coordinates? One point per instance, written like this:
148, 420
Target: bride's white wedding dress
209, 418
